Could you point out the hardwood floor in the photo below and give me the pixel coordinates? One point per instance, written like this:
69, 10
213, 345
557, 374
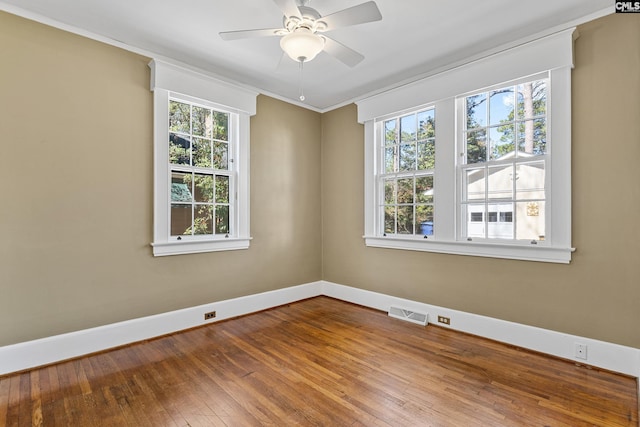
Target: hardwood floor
319, 362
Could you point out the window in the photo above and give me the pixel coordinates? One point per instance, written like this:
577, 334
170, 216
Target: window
495, 179
503, 136
201, 201
201, 163
408, 152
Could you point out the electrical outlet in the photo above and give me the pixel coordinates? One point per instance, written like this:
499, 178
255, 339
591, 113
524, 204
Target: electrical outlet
444, 320
209, 315
581, 351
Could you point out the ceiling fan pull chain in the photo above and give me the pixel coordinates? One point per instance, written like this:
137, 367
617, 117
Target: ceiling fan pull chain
301, 80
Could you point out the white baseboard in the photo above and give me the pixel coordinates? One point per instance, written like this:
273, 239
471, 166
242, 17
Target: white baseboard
613, 357
30, 354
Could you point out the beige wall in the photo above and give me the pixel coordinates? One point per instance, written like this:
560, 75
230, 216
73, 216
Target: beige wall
76, 193
598, 294
76, 201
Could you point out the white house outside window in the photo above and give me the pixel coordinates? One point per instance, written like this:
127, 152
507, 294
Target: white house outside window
498, 180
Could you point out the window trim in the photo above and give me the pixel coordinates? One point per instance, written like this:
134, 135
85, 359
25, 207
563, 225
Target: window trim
553, 55
170, 81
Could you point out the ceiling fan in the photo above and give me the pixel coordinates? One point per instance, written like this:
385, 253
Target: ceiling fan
303, 26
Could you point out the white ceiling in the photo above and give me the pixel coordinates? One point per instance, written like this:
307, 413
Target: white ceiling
414, 38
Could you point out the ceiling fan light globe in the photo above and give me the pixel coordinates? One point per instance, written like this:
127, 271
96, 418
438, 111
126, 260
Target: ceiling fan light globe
302, 45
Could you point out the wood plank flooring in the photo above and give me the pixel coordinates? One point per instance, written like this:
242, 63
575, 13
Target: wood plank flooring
319, 362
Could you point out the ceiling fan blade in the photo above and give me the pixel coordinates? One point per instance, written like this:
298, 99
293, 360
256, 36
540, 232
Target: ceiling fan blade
288, 7
360, 14
246, 34
347, 55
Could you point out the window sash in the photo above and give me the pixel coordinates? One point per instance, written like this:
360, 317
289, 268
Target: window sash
470, 231
232, 138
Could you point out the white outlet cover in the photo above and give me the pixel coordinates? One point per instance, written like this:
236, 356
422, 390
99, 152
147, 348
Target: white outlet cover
581, 351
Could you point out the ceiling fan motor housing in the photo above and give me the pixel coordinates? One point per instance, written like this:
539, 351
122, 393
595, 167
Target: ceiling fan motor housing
309, 18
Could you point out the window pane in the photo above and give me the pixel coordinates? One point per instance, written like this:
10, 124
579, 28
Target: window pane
202, 122
477, 146
179, 149
424, 220
530, 181
201, 153
424, 189
532, 137
407, 157
389, 192
405, 190
179, 117
390, 159
180, 219
532, 99
476, 110
390, 134
221, 126
475, 184
203, 188
220, 155
390, 219
181, 187
501, 103
502, 142
222, 189
408, 128
426, 124
405, 219
500, 184
222, 220
426, 154
203, 219
530, 221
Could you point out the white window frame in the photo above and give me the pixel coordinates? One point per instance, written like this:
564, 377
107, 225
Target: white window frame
553, 55
169, 81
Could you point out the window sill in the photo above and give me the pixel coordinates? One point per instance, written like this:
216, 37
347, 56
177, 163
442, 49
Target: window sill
199, 246
491, 250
